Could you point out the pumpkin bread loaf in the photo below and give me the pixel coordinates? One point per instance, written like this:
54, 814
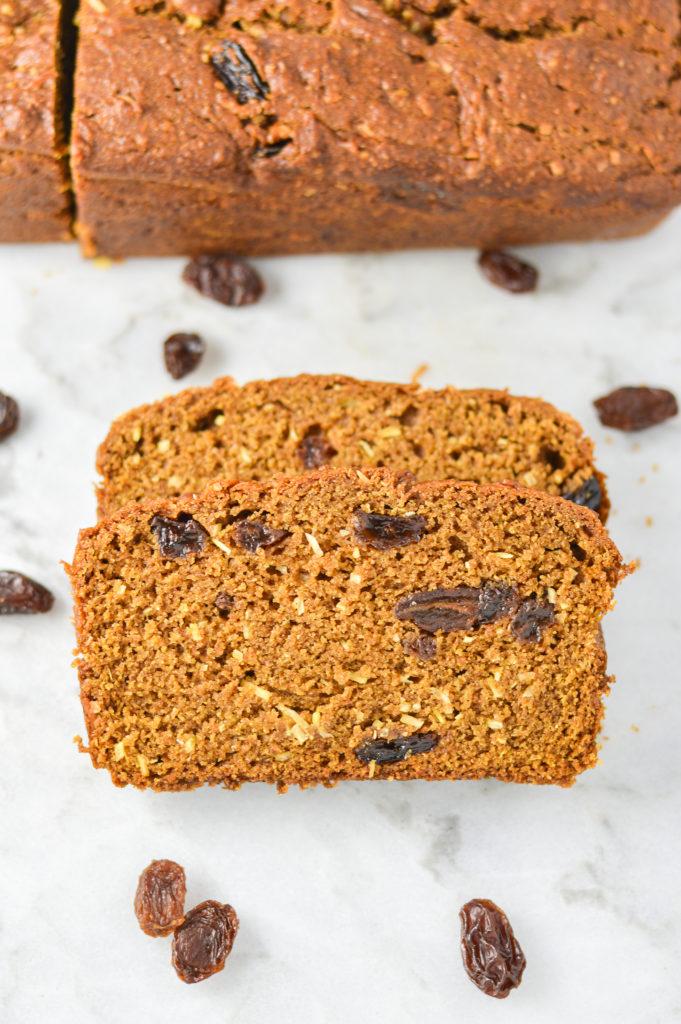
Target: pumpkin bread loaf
277, 126
295, 425
34, 196
344, 625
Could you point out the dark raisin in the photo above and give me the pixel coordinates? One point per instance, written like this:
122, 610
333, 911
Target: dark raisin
423, 646
496, 601
530, 619
182, 354
508, 272
236, 70
178, 537
636, 408
589, 494
390, 751
252, 534
440, 609
272, 148
202, 944
9, 416
386, 532
230, 281
492, 957
224, 603
159, 900
21, 595
315, 451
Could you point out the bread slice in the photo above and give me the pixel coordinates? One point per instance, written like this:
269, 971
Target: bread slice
295, 425
344, 625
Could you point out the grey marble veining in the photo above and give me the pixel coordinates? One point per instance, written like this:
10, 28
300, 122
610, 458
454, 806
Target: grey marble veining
348, 898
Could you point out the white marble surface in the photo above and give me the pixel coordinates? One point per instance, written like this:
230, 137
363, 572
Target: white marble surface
348, 898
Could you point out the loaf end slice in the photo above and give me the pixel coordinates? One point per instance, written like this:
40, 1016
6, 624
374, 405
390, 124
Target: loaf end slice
294, 425
344, 625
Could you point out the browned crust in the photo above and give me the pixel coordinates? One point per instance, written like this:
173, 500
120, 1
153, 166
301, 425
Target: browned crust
577, 138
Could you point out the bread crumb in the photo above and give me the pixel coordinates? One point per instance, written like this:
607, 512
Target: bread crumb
314, 544
649, 520
418, 373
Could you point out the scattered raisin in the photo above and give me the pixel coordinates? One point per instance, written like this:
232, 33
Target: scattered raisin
315, 451
440, 609
9, 416
386, 532
530, 619
224, 603
252, 534
159, 900
182, 354
492, 957
178, 537
507, 271
225, 279
21, 595
204, 941
236, 70
390, 751
496, 601
422, 646
589, 494
636, 408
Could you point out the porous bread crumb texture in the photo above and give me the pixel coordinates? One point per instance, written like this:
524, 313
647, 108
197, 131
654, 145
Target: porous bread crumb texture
303, 659
285, 426
377, 125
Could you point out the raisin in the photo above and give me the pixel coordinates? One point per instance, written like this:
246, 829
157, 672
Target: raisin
21, 595
492, 957
204, 941
272, 148
636, 408
530, 619
182, 354
159, 900
589, 494
390, 751
496, 601
178, 537
386, 532
252, 534
440, 609
315, 451
236, 70
508, 272
230, 281
224, 603
9, 416
422, 646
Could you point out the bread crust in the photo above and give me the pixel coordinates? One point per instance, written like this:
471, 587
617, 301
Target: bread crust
488, 124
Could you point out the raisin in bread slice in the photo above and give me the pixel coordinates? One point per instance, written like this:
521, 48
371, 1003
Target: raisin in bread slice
296, 425
344, 625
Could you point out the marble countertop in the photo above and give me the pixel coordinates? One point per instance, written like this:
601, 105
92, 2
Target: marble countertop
348, 898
